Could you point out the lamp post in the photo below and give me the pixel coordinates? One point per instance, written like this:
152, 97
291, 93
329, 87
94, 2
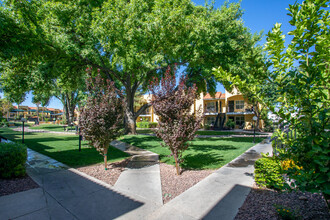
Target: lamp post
254, 132
23, 120
80, 138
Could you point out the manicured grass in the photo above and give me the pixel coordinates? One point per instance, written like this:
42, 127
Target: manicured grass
203, 153
223, 133
144, 131
150, 131
63, 148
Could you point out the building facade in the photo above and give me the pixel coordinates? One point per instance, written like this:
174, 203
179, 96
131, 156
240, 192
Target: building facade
217, 110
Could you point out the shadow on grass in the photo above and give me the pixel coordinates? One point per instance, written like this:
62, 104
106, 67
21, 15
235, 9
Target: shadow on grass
206, 148
231, 139
63, 148
201, 161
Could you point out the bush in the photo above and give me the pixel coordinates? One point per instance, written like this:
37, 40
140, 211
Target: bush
3, 123
145, 124
268, 173
230, 124
153, 124
12, 160
47, 119
207, 127
142, 124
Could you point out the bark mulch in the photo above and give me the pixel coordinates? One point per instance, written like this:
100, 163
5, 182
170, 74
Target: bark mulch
15, 185
173, 185
263, 204
109, 176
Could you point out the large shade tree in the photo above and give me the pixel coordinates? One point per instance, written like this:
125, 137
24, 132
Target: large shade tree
129, 41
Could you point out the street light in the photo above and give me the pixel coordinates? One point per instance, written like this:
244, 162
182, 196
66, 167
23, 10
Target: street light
254, 133
23, 120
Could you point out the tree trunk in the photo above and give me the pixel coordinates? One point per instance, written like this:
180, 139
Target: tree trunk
37, 114
105, 152
177, 165
130, 119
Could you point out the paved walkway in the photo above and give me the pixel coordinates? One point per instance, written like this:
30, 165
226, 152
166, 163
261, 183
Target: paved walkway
142, 175
218, 196
27, 129
66, 193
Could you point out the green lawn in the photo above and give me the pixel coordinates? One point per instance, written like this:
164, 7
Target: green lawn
51, 127
63, 148
203, 153
149, 131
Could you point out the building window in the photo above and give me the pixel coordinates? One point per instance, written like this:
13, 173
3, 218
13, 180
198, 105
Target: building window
239, 120
210, 107
239, 104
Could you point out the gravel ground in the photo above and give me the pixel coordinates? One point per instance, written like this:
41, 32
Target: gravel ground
109, 176
10, 186
260, 203
173, 185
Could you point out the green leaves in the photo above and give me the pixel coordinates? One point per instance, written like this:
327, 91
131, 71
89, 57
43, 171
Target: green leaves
301, 74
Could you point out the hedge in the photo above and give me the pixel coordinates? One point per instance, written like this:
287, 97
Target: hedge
12, 160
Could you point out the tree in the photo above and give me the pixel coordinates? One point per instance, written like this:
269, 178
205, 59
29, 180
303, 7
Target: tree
101, 119
301, 75
177, 123
251, 79
129, 42
5, 107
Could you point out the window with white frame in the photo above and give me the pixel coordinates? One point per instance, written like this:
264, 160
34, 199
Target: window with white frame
239, 104
210, 107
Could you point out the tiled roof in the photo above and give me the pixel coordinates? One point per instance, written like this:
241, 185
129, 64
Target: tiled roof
218, 95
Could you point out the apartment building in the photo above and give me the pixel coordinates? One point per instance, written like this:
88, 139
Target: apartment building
217, 110
27, 112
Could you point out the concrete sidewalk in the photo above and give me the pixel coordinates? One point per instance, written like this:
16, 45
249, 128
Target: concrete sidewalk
142, 175
220, 195
69, 194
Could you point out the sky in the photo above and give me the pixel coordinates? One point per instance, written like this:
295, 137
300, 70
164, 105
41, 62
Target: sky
259, 15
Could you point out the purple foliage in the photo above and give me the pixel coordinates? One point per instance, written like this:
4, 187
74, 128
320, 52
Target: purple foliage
101, 119
177, 122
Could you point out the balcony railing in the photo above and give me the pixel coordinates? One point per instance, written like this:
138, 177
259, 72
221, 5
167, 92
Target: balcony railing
247, 108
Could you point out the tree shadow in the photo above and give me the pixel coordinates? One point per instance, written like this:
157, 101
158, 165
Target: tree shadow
232, 139
201, 161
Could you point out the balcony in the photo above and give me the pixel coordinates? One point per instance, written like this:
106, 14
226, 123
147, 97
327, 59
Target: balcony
248, 109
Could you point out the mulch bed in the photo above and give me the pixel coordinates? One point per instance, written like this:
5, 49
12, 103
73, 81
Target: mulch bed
10, 186
260, 204
173, 185
109, 176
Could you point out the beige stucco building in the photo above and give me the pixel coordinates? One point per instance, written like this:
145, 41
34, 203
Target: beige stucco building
217, 110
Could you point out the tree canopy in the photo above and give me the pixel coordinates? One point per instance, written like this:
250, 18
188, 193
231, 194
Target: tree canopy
129, 42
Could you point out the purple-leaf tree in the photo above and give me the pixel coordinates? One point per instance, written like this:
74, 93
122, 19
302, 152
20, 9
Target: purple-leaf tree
101, 119
178, 122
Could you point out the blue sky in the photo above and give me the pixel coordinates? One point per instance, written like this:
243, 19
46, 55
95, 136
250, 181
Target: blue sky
259, 15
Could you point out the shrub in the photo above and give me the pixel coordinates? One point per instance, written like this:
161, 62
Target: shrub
145, 124
46, 119
268, 173
12, 160
3, 123
207, 127
142, 124
153, 124
230, 124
